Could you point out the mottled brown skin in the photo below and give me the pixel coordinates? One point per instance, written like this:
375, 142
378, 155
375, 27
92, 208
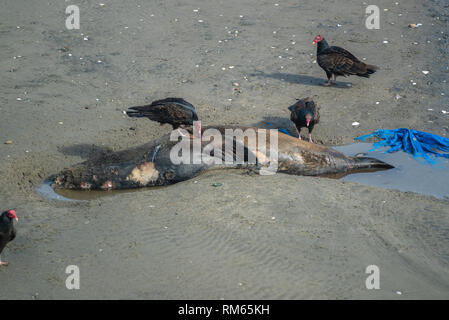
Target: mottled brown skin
150, 164
336, 61
174, 111
302, 110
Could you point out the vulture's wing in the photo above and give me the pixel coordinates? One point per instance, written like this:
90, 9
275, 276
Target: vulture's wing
175, 111
13, 233
341, 62
342, 52
312, 105
4, 239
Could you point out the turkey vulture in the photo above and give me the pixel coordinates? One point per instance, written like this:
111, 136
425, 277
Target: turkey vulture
337, 61
304, 113
174, 111
7, 230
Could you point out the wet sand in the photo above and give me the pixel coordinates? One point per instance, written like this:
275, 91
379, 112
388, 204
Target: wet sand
260, 237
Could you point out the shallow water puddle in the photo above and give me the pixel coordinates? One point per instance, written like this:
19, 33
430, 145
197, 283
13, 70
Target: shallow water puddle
409, 174
46, 191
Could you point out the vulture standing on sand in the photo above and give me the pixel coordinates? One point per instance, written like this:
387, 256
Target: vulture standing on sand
7, 231
304, 113
337, 61
174, 111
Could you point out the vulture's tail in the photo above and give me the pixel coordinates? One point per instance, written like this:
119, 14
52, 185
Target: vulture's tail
133, 113
370, 69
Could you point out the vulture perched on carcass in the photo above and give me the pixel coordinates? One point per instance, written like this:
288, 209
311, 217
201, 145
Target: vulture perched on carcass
174, 111
336, 61
304, 113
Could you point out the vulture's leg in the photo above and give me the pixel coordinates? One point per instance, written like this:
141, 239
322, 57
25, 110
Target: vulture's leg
328, 83
179, 131
335, 78
310, 134
299, 133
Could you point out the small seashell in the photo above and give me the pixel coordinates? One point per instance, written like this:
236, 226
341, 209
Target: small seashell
8, 142
355, 124
425, 71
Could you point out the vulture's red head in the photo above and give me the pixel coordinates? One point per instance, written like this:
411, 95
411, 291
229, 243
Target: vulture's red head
309, 118
12, 214
317, 39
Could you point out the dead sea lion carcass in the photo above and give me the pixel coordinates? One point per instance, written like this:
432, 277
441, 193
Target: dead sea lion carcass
151, 165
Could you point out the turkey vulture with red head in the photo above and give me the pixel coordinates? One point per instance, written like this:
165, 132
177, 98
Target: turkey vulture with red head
336, 61
174, 111
7, 230
304, 113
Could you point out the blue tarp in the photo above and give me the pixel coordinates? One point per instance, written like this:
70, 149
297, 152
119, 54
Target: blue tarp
417, 143
280, 129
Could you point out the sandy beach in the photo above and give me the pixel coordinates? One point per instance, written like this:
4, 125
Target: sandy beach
62, 96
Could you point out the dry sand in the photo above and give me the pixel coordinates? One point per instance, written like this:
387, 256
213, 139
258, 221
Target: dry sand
254, 237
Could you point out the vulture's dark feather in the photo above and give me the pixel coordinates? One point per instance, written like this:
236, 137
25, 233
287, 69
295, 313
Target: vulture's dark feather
7, 230
174, 111
340, 62
299, 111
